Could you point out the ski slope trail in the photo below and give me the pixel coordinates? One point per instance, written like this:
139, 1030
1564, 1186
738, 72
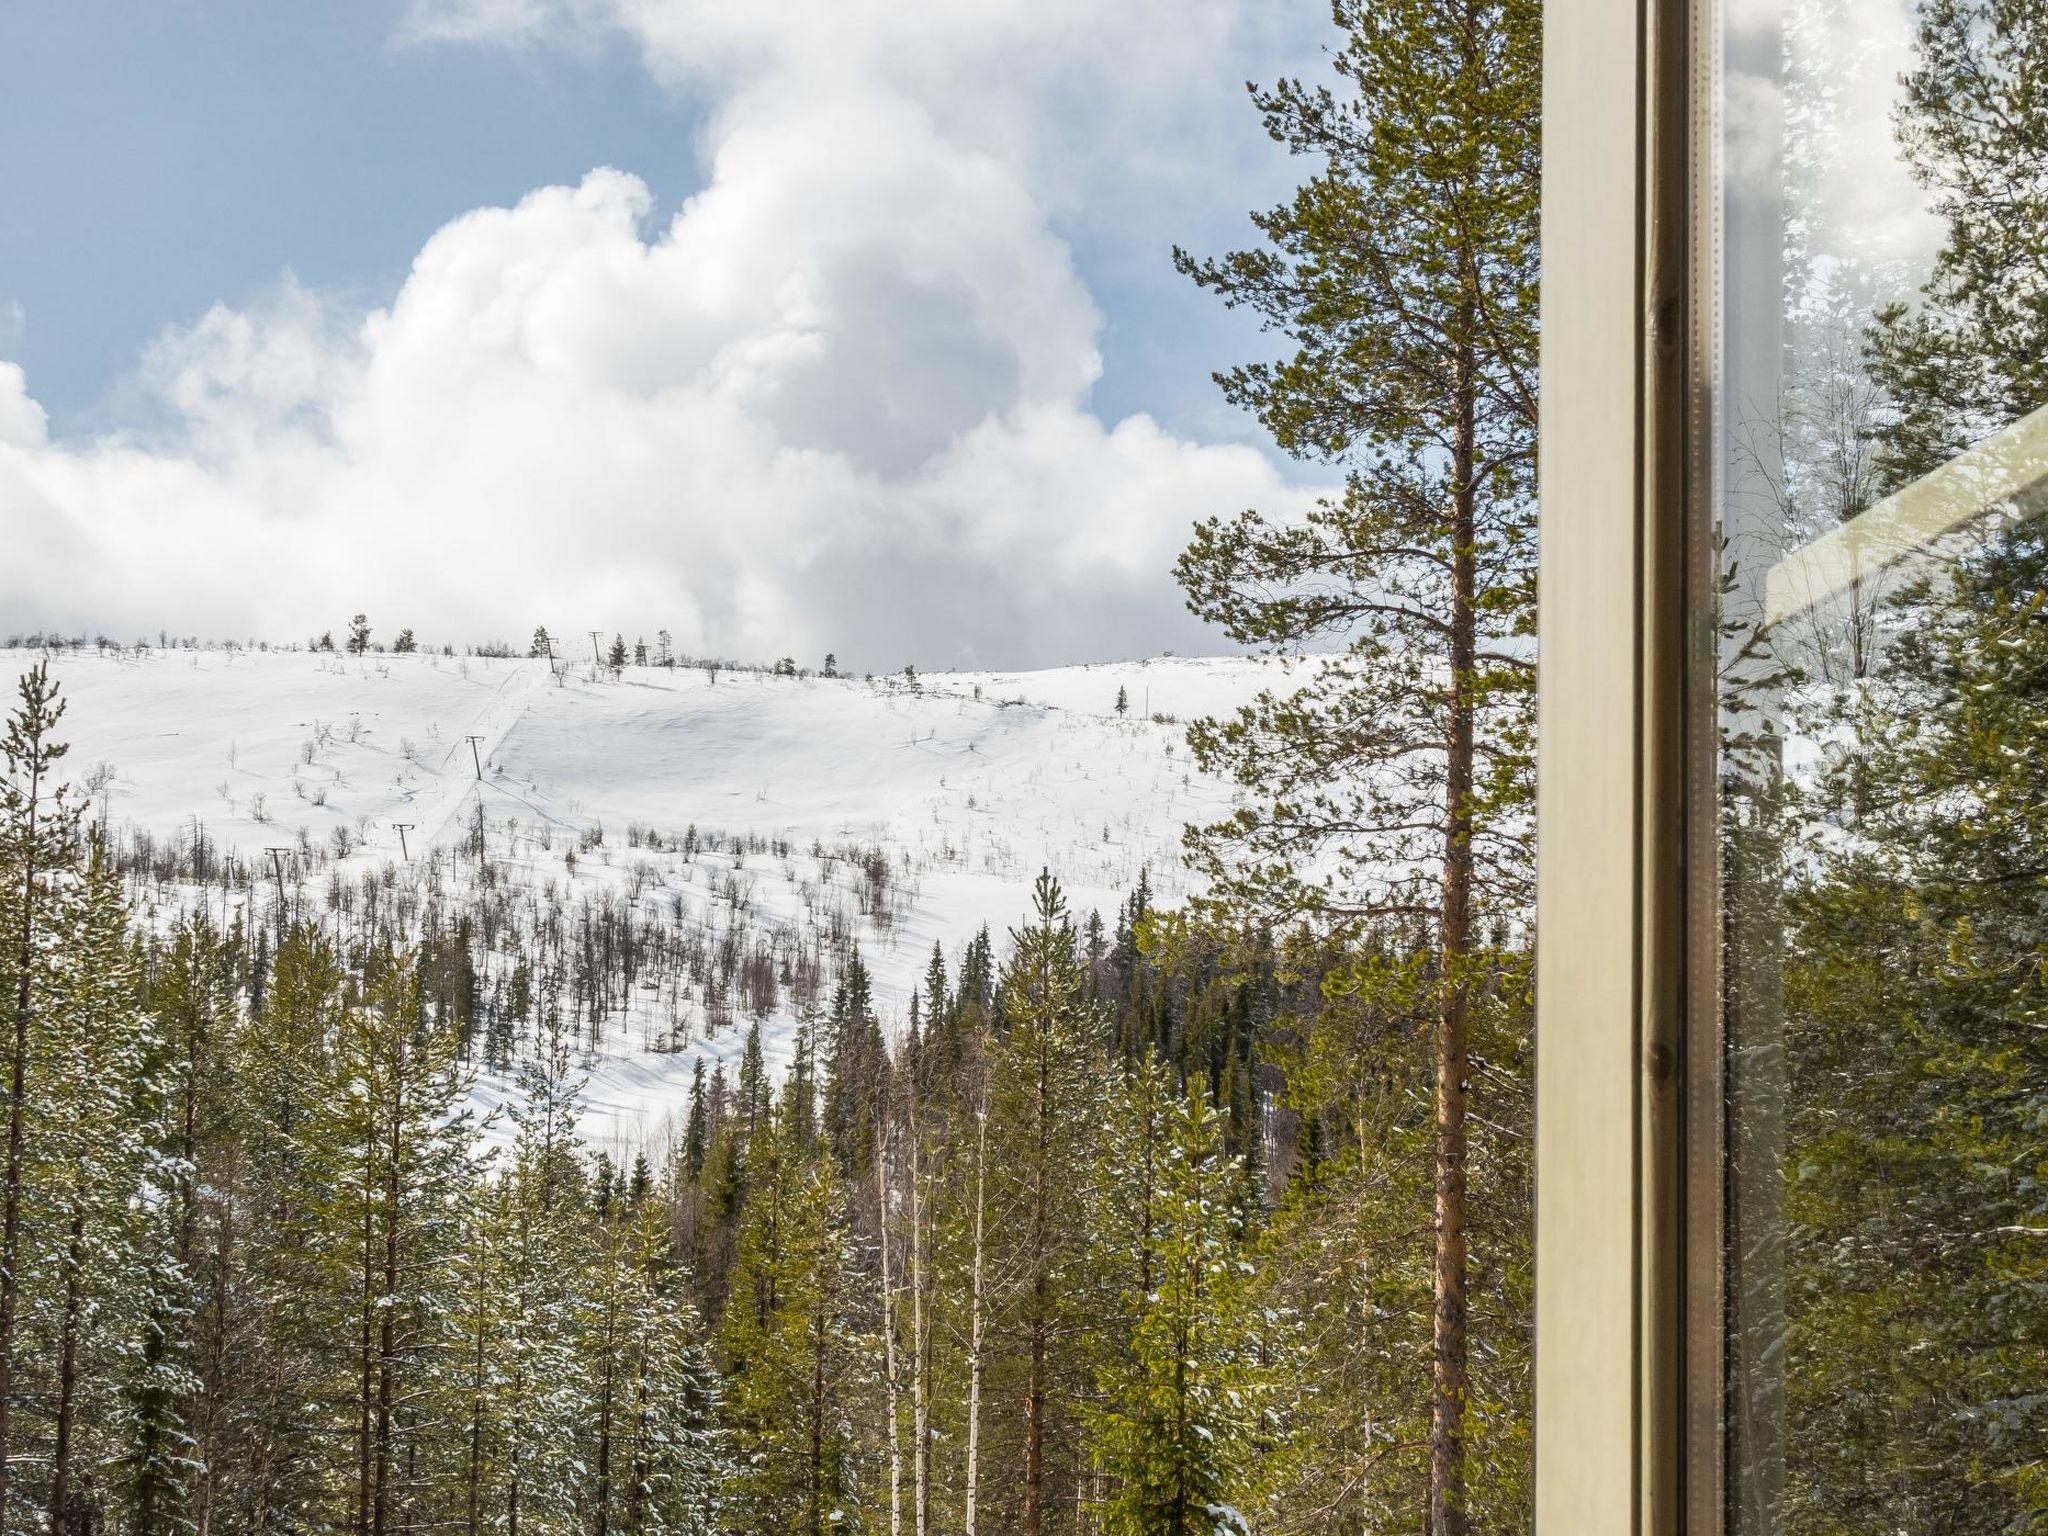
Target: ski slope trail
442, 808
740, 802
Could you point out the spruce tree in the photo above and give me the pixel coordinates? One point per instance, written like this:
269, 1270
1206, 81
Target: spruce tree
402, 1164
545, 1396
480, 1319
672, 1454
87, 1141
1184, 1405
192, 993
1044, 1115
160, 1464
856, 1072
286, 1265
39, 829
796, 1357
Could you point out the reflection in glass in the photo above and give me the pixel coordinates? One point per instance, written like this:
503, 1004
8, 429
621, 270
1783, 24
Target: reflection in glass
1880, 461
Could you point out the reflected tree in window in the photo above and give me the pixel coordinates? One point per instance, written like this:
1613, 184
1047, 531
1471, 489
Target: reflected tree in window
1915, 961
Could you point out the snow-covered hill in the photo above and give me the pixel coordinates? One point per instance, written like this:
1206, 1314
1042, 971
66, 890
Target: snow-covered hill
967, 784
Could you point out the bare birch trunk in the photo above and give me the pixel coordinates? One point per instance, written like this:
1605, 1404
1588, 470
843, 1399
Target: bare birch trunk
974, 1325
920, 1348
890, 1388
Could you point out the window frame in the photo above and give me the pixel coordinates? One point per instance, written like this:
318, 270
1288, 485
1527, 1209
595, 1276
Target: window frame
1628, 1375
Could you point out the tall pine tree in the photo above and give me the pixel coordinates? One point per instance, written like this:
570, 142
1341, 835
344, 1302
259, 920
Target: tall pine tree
1391, 786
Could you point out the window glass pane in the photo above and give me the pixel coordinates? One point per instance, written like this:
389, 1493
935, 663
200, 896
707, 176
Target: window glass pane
1880, 458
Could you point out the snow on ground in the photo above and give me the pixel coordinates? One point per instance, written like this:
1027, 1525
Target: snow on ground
970, 782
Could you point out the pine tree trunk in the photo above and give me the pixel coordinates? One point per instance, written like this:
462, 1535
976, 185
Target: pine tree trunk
1447, 1516
974, 1325
1034, 1419
149, 1441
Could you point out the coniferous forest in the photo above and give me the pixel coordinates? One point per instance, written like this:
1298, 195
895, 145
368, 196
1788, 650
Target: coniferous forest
1175, 1219
1083, 1243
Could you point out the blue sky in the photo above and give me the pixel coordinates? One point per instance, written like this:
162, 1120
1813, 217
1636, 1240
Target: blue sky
161, 155
927, 284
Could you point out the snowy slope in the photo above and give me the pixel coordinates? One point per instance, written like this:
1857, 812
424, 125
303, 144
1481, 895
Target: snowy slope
970, 784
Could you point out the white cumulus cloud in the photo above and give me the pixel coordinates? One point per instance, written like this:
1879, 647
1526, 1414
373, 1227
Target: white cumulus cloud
840, 400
